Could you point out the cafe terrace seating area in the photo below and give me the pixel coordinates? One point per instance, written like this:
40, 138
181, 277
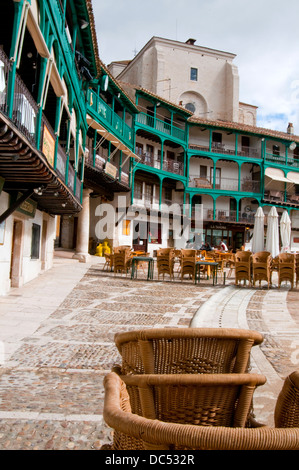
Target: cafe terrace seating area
193, 389
242, 268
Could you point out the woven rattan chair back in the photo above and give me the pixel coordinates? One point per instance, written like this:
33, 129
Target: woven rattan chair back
286, 268
121, 262
202, 399
188, 260
297, 268
134, 432
243, 267
261, 267
165, 262
286, 413
186, 350
118, 249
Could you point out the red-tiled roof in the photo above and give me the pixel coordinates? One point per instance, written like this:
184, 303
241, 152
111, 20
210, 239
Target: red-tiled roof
244, 128
157, 97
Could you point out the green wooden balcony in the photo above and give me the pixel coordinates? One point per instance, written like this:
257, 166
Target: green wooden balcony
163, 127
24, 117
105, 115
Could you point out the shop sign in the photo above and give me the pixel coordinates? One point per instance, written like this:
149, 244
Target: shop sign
110, 170
218, 227
27, 207
48, 148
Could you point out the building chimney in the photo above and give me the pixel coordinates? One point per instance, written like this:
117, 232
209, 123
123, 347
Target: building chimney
191, 41
290, 129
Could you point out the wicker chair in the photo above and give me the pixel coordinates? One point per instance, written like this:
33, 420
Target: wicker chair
201, 399
286, 268
297, 268
243, 267
186, 350
134, 432
165, 262
121, 261
188, 260
287, 406
261, 267
108, 261
119, 249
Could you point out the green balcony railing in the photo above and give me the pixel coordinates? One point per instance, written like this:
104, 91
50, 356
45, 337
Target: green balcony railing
110, 118
161, 126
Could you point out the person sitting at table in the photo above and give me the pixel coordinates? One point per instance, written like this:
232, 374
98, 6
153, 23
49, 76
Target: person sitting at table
223, 246
206, 247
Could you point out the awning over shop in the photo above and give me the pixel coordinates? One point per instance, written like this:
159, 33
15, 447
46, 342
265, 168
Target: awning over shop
111, 137
276, 174
293, 177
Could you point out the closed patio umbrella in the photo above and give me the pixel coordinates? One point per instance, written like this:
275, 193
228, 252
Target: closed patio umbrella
272, 240
285, 231
258, 242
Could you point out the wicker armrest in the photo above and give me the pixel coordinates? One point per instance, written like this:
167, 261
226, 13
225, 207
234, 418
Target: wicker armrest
136, 432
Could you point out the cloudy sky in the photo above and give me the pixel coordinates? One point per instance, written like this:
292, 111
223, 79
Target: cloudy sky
264, 34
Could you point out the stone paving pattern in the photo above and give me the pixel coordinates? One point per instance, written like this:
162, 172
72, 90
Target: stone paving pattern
58, 334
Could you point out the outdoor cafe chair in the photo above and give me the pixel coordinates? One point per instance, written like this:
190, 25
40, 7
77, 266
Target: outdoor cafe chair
108, 261
135, 432
261, 267
243, 267
297, 268
286, 268
186, 350
165, 262
121, 261
118, 249
188, 260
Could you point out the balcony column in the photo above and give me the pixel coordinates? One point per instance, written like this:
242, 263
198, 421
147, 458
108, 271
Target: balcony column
210, 140
236, 143
94, 148
239, 177
186, 166
160, 193
237, 209
214, 174
162, 149
82, 245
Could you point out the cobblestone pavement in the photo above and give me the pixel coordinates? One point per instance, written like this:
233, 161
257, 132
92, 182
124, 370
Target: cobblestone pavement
57, 336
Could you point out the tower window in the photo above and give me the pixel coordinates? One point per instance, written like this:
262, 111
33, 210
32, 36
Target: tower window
193, 74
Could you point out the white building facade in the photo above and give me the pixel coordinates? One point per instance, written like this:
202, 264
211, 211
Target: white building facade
204, 81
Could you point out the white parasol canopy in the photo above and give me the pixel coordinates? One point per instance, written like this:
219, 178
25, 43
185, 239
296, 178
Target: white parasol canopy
285, 231
272, 241
258, 241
